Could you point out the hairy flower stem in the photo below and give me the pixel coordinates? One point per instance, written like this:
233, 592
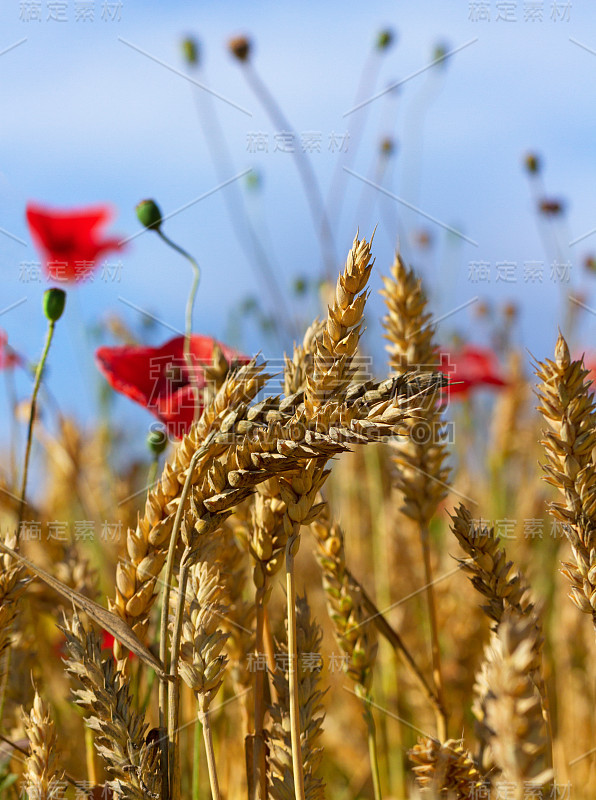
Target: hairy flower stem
372, 748
242, 225
204, 719
36, 385
441, 716
163, 632
305, 170
152, 472
291, 549
189, 309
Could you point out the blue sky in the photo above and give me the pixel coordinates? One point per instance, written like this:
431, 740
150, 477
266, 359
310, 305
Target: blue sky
88, 118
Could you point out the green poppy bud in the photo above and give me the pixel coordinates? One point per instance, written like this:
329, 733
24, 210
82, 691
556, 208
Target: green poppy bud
190, 51
54, 301
532, 163
440, 54
384, 39
149, 214
157, 441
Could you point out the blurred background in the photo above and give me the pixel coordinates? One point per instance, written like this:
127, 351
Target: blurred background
416, 118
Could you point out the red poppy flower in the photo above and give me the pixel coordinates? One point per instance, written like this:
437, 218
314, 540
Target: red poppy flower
470, 368
8, 357
107, 642
71, 241
158, 377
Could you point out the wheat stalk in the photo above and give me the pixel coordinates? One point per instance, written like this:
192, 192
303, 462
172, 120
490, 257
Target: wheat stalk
421, 474
312, 714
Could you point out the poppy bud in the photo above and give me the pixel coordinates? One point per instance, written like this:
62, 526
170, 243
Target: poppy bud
190, 50
387, 146
440, 54
532, 163
240, 47
510, 311
300, 286
551, 207
157, 441
384, 39
53, 303
253, 180
149, 214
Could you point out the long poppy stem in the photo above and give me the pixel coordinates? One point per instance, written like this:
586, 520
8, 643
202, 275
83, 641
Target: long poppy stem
36, 385
189, 309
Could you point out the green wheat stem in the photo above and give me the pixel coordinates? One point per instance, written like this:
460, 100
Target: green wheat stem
372, 748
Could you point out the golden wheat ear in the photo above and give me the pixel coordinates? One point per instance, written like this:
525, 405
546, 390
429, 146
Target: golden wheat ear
567, 405
511, 705
42, 777
131, 760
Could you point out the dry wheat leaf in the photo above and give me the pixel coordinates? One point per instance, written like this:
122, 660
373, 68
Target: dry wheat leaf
111, 622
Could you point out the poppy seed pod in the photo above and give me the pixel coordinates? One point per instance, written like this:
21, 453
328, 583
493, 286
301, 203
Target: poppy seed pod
54, 301
240, 47
149, 214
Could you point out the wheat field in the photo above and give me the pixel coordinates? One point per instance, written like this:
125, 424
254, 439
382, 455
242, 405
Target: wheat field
321, 592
